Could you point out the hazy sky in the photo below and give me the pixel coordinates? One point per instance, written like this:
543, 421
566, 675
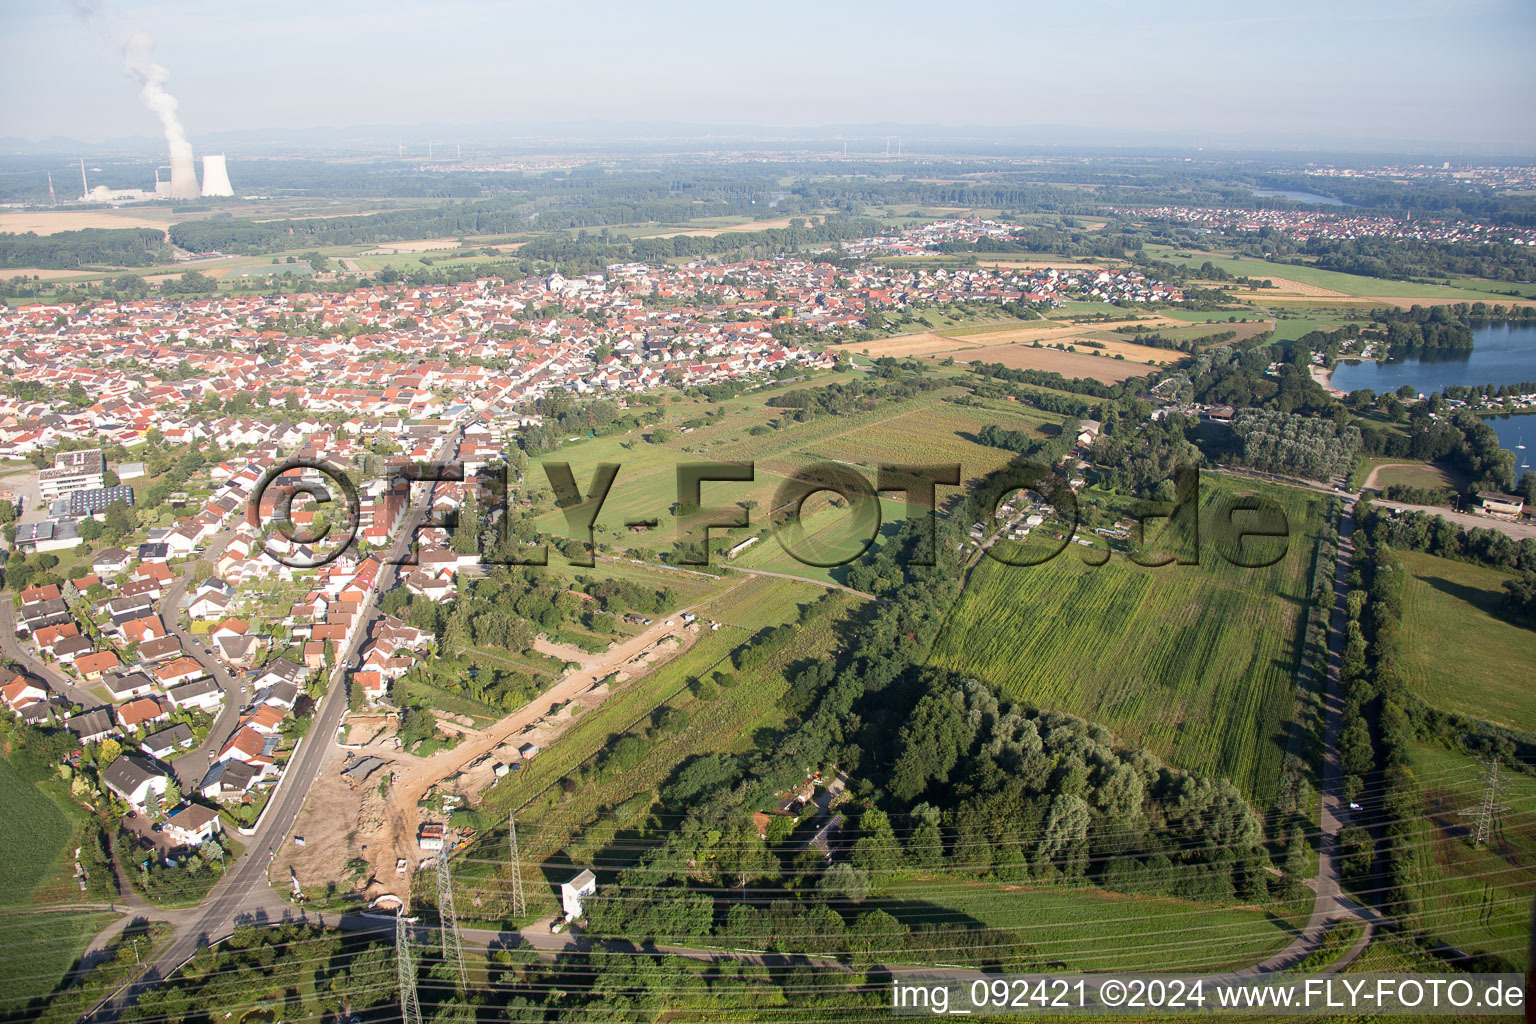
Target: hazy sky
1431, 70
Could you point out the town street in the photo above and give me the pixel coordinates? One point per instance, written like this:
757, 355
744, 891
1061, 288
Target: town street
244, 895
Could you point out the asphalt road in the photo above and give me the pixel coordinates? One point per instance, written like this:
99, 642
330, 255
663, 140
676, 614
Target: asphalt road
193, 765
51, 677
244, 895
1329, 903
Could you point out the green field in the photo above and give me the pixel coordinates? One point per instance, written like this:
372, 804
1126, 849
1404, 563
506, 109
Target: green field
1478, 899
1196, 662
1458, 654
550, 818
1428, 475
34, 839
1347, 284
921, 429
1089, 929
40, 951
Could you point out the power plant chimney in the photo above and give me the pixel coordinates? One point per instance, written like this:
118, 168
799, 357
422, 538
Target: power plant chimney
85, 186
216, 177
183, 174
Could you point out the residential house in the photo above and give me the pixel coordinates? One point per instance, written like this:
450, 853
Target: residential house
20, 692
136, 779
124, 685
229, 780
136, 714
192, 825
168, 741
93, 666
92, 726
203, 694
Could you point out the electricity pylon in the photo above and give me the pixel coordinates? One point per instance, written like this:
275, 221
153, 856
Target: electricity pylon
519, 906
1489, 805
405, 971
453, 948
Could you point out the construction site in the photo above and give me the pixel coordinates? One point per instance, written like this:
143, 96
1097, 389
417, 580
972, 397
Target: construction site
378, 814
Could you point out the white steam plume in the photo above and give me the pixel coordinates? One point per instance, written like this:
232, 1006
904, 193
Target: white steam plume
152, 77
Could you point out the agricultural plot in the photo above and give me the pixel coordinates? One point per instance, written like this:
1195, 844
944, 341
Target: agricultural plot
830, 534
938, 433
1097, 930
1428, 475
646, 485
1068, 364
40, 951
1452, 610
1328, 282
1196, 662
29, 853
1477, 899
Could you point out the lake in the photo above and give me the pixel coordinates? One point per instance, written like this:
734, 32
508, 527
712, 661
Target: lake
1300, 197
1500, 354
1514, 431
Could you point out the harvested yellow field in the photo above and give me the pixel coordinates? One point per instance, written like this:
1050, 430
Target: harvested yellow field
48, 222
1068, 364
904, 346
44, 274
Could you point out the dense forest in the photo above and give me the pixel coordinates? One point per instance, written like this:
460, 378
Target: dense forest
66, 250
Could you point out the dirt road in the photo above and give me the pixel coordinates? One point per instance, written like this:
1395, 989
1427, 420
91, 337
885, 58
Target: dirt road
345, 822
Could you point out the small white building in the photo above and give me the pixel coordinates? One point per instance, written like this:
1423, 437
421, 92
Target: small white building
193, 825
574, 891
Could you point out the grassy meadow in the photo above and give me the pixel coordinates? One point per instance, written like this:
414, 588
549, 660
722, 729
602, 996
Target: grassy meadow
1459, 653
560, 824
1087, 929
1477, 899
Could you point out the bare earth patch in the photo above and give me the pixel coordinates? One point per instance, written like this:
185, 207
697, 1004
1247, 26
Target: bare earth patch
343, 821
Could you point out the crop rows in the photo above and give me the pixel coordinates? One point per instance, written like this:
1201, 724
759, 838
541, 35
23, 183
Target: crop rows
1195, 662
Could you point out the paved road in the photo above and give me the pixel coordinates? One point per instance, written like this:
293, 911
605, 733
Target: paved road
193, 765
244, 895
1467, 520
50, 676
1329, 903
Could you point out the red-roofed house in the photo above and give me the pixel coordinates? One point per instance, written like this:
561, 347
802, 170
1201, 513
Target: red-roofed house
92, 666
136, 714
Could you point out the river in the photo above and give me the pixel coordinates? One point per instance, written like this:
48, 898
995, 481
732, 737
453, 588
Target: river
1300, 197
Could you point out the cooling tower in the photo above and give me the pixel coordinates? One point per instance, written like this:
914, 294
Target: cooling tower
216, 177
183, 176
